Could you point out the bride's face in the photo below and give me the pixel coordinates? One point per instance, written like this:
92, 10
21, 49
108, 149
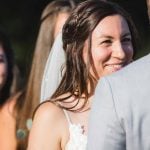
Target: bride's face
112, 47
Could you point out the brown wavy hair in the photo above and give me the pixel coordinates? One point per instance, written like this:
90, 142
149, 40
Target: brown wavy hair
77, 29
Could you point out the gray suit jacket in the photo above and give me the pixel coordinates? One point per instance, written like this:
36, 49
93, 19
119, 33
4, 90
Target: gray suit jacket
120, 115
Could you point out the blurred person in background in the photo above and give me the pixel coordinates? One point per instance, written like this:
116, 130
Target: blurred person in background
7, 116
52, 19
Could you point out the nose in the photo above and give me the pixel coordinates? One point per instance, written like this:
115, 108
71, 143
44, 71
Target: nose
119, 51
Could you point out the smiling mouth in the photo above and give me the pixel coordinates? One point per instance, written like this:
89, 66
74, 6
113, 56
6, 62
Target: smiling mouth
116, 67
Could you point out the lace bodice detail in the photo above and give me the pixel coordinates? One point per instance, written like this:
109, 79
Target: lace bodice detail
77, 140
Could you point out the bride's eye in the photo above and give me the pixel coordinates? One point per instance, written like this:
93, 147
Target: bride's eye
107, 42
126, 40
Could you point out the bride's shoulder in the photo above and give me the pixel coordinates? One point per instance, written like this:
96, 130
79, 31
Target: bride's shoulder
50, 117
52, 108
47, 110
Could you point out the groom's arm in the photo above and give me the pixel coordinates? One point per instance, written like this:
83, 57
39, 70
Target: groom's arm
105, 130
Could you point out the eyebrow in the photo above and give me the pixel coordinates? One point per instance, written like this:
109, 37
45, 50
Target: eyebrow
105, 36
110, 37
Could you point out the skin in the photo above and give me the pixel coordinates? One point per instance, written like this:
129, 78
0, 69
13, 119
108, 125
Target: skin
7, 126
112, 47
111, 50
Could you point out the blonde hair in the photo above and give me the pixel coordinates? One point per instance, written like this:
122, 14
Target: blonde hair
30, 97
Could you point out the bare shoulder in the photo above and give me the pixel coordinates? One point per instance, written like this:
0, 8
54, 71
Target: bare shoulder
49, 128
48, 107
48, 110
50, 116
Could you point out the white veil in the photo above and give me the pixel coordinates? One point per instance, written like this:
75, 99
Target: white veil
52, 73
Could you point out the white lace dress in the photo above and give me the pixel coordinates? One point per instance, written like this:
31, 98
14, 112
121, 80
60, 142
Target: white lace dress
77, 140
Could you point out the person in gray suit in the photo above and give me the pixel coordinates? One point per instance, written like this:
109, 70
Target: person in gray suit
120, 114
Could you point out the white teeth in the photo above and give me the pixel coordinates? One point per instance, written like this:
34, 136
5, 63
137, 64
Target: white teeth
117, 66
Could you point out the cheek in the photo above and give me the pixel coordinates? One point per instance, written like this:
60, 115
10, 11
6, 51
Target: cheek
100, 58
101, 55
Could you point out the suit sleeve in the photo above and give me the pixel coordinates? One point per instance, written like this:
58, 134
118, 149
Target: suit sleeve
105, 129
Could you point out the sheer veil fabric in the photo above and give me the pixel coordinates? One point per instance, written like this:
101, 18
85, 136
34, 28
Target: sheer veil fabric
53, 69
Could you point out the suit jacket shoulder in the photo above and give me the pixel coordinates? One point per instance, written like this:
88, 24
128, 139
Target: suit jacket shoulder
130, 88
120, 115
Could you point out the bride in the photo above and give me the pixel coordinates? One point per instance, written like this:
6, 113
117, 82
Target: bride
98, 39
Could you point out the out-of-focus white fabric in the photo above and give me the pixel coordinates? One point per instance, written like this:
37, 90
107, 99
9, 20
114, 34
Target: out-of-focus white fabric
52, 73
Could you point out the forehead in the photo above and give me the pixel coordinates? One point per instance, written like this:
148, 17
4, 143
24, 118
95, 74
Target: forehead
111, 25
